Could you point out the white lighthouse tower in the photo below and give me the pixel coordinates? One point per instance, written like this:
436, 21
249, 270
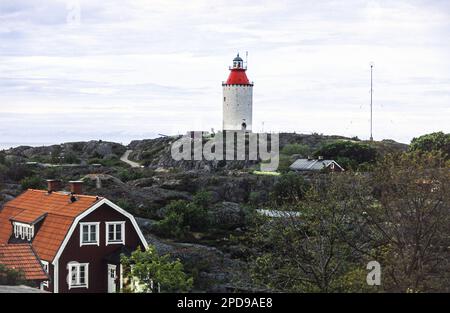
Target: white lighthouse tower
237, 98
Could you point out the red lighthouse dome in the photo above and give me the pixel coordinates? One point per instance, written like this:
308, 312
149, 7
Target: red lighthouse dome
237, 73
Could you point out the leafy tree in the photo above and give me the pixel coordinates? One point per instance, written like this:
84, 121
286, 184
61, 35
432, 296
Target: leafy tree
398, 215
16, 170
156, 273
406, 228
432, 142
181, 216
289, 188
348, 154
307, 253
32, 182
10, 276
71, 158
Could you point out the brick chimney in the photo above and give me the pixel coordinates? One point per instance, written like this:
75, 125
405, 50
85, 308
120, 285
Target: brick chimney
53, 185
76, 187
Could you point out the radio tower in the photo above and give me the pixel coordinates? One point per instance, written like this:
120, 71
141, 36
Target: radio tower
371, 92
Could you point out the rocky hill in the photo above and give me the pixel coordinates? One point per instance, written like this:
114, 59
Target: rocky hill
213, 257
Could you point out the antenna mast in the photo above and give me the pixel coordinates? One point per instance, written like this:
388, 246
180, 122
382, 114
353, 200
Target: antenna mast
246, 59
371, 110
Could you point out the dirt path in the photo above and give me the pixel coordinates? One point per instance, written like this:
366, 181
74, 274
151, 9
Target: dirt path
124, 158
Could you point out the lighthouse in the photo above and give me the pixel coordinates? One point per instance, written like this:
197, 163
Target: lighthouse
237, 98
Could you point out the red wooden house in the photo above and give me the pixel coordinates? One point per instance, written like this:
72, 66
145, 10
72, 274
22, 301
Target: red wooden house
76, 239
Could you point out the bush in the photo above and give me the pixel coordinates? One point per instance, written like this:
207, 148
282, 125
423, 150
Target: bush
71, 158
11, 277
17, 171
350, 153
295, 148
182, 216
285, 162
289, 188
432, 142
172, 226
32, 182
130, 174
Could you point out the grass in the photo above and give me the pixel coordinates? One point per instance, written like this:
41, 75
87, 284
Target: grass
266, 173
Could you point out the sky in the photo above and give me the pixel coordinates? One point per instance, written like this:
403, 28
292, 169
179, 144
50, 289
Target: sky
123, 70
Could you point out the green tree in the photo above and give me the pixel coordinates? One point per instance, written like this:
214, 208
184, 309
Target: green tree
432, 142
181, 216
32, 182
348, 154
156, 273
406, 228
289, 188
307, 253
10, 276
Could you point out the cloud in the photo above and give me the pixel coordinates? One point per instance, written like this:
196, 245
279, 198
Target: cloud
156, 66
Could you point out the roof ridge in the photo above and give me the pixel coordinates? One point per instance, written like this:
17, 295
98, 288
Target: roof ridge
61, 194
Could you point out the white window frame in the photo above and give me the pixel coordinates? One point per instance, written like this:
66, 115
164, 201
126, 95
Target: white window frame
97, 235
115, 242
86, 275
46, 267
23, 231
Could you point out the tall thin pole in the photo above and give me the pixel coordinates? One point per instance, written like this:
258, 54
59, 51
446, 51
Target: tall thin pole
371, 111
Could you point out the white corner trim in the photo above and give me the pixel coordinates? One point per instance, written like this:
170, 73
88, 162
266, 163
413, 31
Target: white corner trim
89, 211
122, 241
55, 276
97, 234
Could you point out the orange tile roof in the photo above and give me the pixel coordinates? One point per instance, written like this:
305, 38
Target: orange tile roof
59, 214
22, 256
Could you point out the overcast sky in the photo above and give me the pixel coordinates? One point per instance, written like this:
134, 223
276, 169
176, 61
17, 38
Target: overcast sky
133, 69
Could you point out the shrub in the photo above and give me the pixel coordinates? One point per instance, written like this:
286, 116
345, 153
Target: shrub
350, 153
432, 142
32, 182
11, 276
156, 273
130, 174
295, 148
289, 188
182, 216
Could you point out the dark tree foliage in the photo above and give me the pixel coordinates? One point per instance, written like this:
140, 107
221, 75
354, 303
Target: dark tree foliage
10, 276
289, 188
397, 215
432, 142
348, 154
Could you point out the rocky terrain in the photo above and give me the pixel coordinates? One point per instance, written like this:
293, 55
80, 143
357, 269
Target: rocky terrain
213, 258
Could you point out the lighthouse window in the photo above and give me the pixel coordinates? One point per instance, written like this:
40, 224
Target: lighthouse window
224, 98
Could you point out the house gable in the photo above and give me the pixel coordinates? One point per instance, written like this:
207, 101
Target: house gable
71, 249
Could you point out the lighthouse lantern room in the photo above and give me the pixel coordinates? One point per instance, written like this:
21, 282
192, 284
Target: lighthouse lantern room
237, 98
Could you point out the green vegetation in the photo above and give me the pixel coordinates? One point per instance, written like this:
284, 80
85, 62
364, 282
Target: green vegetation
130, 174
183, 216
155, 273
32, 182
113, 161
348, 154
432, 142
296, 148
398, 215
11, 277
289, 188
266, 173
